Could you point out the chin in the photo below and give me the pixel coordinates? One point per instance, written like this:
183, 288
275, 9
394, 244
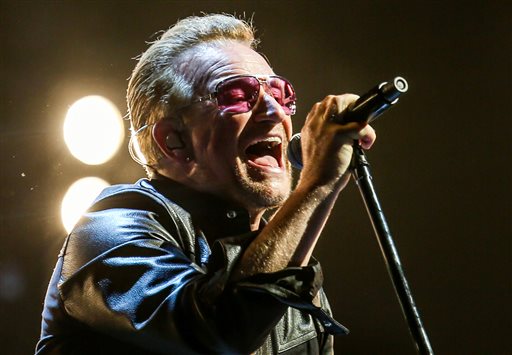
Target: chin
270, 199
264, 193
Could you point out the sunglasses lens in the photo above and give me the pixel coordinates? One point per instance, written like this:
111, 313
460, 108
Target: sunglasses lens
240, 94
283, 93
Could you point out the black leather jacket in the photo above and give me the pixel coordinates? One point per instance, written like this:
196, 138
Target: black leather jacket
137, 275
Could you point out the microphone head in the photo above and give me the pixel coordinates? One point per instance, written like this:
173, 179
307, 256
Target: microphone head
390, 91
400, 84
294, 152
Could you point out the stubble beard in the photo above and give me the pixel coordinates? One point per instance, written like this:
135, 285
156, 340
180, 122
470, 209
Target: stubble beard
265, 192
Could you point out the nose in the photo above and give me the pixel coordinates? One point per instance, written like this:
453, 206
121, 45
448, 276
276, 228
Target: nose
267, 109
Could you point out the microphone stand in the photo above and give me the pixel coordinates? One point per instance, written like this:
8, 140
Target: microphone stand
361, 173
368, 107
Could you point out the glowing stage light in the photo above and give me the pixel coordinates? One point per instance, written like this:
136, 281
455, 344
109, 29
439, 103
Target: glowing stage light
93, 130
78, 198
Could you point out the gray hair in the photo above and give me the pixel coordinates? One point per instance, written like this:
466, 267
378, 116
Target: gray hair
157, 87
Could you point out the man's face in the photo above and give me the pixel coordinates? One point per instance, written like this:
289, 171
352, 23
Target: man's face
238, 156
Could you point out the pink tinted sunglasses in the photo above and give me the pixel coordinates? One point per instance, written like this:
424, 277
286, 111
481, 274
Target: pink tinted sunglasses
240, 93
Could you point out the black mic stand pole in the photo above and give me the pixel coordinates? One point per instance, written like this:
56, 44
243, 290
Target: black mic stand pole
367, 108
362, 175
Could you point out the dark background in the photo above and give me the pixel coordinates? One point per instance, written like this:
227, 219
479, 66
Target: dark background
441, 162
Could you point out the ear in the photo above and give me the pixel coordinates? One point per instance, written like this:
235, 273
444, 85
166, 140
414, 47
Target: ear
170, 141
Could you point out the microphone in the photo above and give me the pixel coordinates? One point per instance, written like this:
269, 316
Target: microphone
366, 108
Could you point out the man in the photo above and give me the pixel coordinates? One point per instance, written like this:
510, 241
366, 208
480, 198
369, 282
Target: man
184, 263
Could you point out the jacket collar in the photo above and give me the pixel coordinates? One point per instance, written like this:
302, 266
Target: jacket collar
213, 215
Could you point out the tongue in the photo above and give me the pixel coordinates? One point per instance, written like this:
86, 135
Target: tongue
266, 160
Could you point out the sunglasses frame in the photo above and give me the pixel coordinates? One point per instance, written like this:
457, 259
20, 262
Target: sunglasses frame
213, 96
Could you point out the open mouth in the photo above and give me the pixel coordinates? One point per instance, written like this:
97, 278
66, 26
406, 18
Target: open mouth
266, 153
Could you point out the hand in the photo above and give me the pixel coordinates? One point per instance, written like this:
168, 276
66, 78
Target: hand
327, 146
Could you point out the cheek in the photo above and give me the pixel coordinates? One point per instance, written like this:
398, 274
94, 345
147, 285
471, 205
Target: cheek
288, 127
225, 135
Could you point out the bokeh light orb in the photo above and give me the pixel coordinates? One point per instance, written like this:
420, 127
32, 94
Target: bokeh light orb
93, 129
78, 198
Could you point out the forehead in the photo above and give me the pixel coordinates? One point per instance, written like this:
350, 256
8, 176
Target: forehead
214, 62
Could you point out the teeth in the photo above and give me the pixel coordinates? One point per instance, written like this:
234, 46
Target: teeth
271, 140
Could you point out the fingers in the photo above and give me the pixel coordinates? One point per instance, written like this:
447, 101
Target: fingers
357, 130
331, 105
327, 144
367, 137
342, 102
